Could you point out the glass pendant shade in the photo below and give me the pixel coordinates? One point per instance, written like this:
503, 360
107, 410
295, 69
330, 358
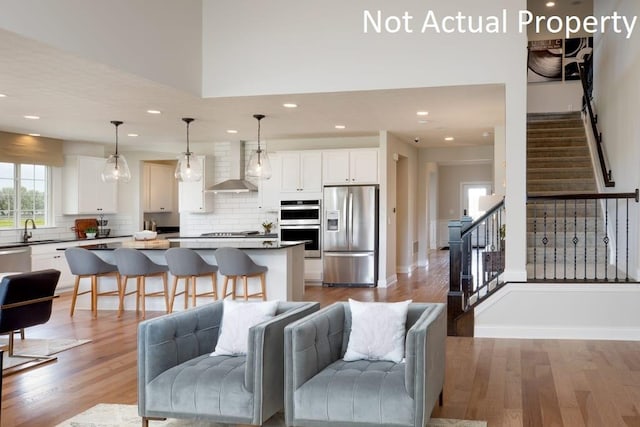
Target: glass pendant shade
116, 167
188, 168
259, 165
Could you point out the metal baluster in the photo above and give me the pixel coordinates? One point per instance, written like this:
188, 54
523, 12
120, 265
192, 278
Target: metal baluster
535, 239
564, 261
626, 268
595, 241
545, 240
617, 239
575, 239
586, 239
605, 239
555, 240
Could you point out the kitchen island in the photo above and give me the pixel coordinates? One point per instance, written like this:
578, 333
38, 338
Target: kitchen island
285, 260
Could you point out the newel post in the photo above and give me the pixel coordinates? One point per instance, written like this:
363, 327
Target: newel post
458, 267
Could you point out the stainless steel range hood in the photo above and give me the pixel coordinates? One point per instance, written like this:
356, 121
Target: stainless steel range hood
236, 182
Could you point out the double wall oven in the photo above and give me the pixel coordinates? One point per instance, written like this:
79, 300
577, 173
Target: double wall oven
300, 220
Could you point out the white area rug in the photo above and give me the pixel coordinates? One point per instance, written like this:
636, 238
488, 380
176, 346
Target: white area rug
35, 346
112, 415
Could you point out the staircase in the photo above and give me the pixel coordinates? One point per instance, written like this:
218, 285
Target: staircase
566, 235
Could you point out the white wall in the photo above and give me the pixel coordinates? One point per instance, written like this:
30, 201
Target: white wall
160, 40
617, 100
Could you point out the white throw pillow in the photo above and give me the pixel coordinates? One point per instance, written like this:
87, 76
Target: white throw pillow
377, 330
237, 318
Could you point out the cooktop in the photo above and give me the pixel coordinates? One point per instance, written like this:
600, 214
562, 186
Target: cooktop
230, 233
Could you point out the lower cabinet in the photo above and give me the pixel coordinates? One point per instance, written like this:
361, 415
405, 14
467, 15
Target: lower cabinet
53, 259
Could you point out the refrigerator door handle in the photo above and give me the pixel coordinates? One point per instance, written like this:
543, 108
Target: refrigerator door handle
348, 254
350, 219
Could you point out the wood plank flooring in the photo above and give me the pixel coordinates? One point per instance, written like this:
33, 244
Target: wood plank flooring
506, 382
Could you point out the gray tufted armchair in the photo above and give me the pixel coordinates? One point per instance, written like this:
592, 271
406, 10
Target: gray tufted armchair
321, 389
177, 377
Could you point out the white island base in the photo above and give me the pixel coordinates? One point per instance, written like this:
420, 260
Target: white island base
284, 280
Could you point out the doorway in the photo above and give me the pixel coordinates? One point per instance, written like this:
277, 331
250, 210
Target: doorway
471, 194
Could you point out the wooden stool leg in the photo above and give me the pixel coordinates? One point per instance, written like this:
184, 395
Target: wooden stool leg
263, 285
121, 291
224, 287
165, 279
214, 283
173, 293
138, 294
143, 295
75, 295
194, 290
245, 287
94, 296
234, 282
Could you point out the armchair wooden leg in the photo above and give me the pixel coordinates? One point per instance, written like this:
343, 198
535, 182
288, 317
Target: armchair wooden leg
441, 398
145, 420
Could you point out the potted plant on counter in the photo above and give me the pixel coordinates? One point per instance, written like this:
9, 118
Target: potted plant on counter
266, 226
91, 232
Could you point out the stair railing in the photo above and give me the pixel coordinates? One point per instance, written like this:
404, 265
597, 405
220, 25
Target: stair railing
580, 237
476, 262
587, 87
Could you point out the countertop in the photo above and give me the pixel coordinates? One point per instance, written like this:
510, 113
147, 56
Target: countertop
212, 244
53, 241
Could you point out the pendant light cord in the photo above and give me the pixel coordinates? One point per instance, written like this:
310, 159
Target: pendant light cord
188, 121
116, 123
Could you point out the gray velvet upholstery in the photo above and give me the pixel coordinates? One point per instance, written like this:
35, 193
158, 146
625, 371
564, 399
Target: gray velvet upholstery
83, 262
234, 262
321, 389
177, 378
186, 262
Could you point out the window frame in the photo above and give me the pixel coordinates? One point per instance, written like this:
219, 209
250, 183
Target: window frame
48, 205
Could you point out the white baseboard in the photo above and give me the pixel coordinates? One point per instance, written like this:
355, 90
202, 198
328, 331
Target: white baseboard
385, 283
561, 311
406, 269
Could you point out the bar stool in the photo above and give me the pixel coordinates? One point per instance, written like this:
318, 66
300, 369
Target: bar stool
232, 263
133, 263
185, 263
83, 263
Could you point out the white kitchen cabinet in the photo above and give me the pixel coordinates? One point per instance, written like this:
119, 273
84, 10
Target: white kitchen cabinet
301, 172
83, 190
269, 189
159, 183
355, 166
191, 195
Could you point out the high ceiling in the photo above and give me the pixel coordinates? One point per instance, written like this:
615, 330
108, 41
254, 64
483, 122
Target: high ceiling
76, 99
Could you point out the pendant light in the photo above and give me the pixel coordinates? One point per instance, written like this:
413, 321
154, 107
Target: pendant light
259, 165
188, 168
116, 168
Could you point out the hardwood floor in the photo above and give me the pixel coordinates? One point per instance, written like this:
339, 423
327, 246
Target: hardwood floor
506, 382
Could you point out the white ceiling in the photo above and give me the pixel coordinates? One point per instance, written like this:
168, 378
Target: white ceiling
77, 98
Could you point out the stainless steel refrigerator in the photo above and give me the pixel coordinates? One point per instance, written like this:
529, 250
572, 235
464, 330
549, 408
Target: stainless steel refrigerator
350, 236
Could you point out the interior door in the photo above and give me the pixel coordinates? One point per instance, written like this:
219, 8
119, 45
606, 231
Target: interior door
471, 194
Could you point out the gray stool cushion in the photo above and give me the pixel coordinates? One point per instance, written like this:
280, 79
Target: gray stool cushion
132, 262
187, 262
234, 262
83, 262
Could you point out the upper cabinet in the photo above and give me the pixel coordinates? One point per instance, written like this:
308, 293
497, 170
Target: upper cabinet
84, 192
354, 166
192, 195
159, 183
269, 189
301, 171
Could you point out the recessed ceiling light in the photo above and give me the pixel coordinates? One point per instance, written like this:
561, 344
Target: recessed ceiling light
232, 131
551, 3
132, 134
34, 134
340, 126
2, 95
290, 105
32, 117
422, 113
449, 138
154, 111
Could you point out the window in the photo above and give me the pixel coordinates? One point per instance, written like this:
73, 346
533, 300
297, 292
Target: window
24, 193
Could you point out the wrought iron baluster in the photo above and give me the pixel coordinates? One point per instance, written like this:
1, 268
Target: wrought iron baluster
545, 240
617, 240
575, 239
564, 261
555, 240
595, 240
605, 239
535, 240
626, 268
586, 239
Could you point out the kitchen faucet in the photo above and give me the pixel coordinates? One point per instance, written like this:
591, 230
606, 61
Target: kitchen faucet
26, 236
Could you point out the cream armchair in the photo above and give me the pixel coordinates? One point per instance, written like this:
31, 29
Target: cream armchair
321, 389
177, 377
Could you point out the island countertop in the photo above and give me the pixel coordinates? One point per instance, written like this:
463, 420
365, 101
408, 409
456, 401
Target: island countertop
212, 244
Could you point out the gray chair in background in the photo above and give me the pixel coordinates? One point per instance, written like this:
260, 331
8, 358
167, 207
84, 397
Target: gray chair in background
177, 378
185, 263
321, 389
134, 264
85, 264
234, 263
